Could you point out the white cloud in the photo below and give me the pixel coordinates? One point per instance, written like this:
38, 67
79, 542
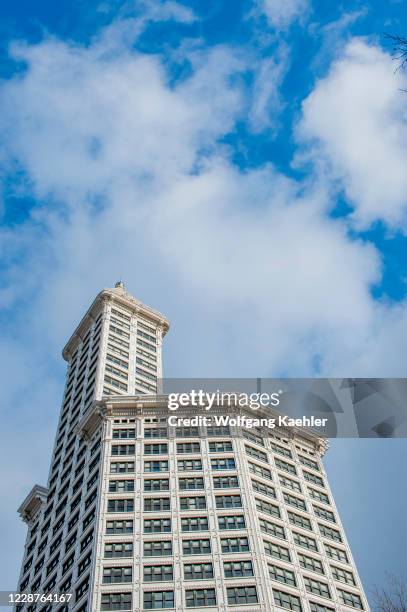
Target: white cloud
356, 122
281, 13
266, 101
143, 185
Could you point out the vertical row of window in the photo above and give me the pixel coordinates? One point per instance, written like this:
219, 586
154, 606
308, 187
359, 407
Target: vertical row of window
71, 498
116, 376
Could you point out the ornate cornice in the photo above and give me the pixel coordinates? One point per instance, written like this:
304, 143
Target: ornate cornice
148, 405
32, 503
91, 420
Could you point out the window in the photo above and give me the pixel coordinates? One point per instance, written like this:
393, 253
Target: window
242, 595
66, 585
256, 453
86, 540
280, 574
322, 497
117, 574
350, 599
196, 523
115, 383
158, 549
299, 521
155, 432
259, 470
222, 430
145, 373
336, 553
297, 502
231, 522
317, 480
221, 446
118, 527
267, 508
309, 563
330, 532
144, 335
119, 362
81, 590
67, 564
189, 465
197, 598
156, 449
157, 525
324, 514
158, 573
228, 501
272, 529
124, 434
156, 466
308, 462
252, 437
158, 600
118, 331
119, 549
120, 323
193, 503
157, 484
84, 564
276, 551
198, 571
317, 587
287, 601
157, 504
289, 483
187, 484
238, 569
284, 465
115, 349
343, 575
118, 341
225, 482
316, 607
120, 505
152, 330
263, 488
116, 372
53, 564
305, 541
223, 464
123, 449
146, 345
121, 486
196, 547
188, 447
74, 504
234, 545
187, 432
280, 450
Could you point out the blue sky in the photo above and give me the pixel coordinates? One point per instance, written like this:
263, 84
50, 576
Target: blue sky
242, 166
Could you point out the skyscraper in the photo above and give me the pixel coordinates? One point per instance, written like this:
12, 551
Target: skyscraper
140, 515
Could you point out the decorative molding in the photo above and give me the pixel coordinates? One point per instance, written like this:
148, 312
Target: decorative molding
32, 503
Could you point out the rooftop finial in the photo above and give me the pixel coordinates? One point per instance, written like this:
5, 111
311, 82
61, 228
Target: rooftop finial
119, 284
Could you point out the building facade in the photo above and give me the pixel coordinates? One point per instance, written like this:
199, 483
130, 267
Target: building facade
138, 515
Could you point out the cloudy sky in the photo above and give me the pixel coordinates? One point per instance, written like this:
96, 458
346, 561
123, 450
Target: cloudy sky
242, 166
